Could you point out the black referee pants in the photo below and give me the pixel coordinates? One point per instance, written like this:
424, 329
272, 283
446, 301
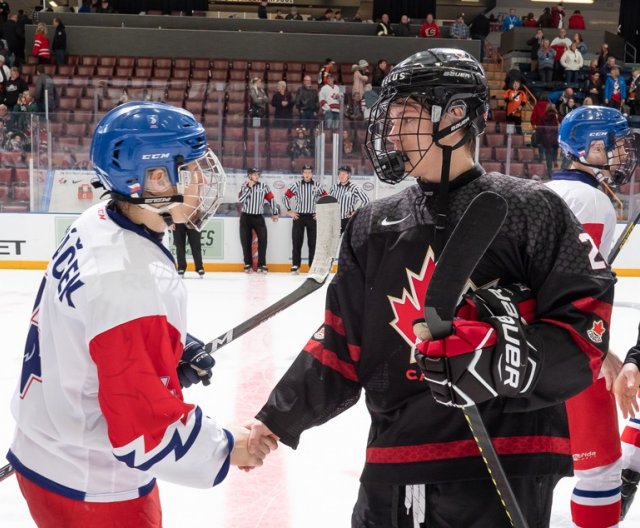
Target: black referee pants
248, 223
464, 504
180, 236
304, 221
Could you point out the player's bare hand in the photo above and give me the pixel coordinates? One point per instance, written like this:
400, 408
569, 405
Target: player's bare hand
274, 218
293, 214
610, 369
626, 389
261, 438
240, 455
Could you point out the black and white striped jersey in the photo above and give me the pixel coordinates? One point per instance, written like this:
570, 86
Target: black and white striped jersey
306, 195
253, 199
348, 196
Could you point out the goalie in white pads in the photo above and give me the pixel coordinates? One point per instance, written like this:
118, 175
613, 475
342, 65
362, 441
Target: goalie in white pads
99, 407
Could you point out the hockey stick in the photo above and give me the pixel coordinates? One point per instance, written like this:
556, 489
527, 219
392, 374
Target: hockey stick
622, 239
327, 242
469, 241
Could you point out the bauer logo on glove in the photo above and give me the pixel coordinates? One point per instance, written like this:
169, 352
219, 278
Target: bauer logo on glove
488, 353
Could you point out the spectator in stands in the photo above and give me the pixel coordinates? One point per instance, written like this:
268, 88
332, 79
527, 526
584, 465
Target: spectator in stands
259, 98
262, 10
105, 8
44, 88
59, 43
23, 110
293, 14
124, 97
557, 16
11, 33
576, 21
357, 17
567, 94
360, 76
514, 74
615, 89
535, 43
459, 30
603, 55
580, 44
41, 49
587, 101
593, 67
511, 21
300, 145
561, 44
369, 97
278, 15
15, 142
307, 103
403, 29
324, 72
479, 29
547, 137
605, 69
355, 106
5, 74
85, 7
22, 21
572, 63
546, 20
594, 87
546, 60
347, 142
530, 21
536, 115
516, 99
384, 27
337, 16
429, 29
634, 91
13, 88
329, 98
4, 11
282, 102
326, 17
566, 107
379, 73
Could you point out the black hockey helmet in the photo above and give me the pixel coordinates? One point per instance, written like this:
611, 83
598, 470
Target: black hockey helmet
438, 80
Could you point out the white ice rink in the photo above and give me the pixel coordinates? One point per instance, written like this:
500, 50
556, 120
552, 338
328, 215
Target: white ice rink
312, 487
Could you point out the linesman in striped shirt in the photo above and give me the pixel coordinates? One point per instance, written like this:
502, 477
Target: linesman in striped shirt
253, 195
348, 195
306, 193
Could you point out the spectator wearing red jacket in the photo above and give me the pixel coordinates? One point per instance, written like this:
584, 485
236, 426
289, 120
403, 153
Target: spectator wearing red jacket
430, 29
538, 110
41, 49
530, 21
576, 21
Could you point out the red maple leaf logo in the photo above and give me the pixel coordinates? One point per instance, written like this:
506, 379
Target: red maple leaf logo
596, 331
598, 327
410, 307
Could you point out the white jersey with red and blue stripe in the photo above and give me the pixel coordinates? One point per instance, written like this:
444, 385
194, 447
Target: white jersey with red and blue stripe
99, 407
589, 204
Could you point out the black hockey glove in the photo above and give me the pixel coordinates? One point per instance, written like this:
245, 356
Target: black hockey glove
196, 363
487, 355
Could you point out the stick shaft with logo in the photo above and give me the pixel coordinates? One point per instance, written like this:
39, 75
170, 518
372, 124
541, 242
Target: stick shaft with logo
469, 241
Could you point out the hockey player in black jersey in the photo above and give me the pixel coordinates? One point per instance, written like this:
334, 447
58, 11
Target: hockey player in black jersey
422, 465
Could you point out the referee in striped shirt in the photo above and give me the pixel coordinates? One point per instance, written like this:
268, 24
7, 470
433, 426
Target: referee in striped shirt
253, 194
348, 195
306, 193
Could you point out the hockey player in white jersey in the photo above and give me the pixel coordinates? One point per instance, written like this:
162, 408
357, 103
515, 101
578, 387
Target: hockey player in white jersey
596, 143
99, 407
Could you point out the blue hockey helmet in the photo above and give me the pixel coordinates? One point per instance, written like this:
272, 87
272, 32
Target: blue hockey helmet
138, 137
588, 124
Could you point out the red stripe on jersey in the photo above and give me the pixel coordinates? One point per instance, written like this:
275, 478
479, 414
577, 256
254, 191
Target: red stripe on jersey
595, 231
268, 196
330, 359
594, 306
139, 391
631, 435
593, 353
512, 445
289, 194
337, 325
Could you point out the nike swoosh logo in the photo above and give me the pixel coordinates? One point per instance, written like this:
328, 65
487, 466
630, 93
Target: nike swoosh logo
387, 222
76, 181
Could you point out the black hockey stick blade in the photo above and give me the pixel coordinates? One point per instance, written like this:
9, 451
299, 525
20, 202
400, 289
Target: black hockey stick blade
6, 471
468, 243
327, 242
622, 239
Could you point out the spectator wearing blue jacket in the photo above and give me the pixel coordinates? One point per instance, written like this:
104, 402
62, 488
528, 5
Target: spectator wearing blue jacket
511, 21
615, 89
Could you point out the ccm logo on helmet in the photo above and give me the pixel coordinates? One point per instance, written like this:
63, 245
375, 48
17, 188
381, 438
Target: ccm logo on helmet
164, 155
